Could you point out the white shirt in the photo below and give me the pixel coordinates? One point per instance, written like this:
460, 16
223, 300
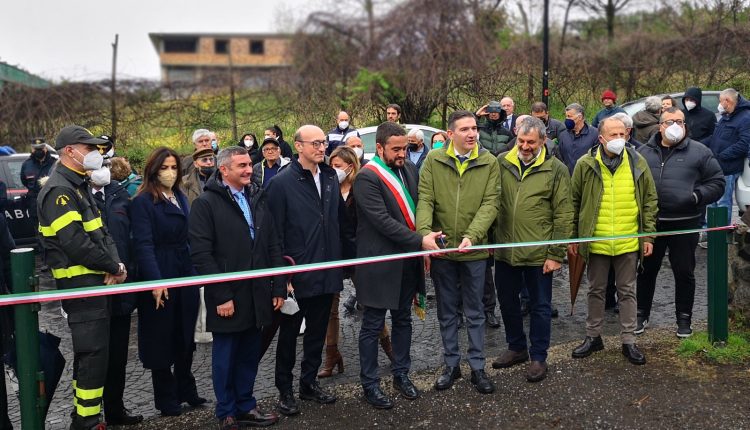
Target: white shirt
316, 177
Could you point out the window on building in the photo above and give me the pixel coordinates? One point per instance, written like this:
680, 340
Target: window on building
180, 45
221, 46
257, 47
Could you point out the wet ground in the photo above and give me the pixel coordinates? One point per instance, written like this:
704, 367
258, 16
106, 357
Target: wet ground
592, 393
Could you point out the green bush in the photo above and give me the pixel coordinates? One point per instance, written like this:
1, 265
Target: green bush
736, 350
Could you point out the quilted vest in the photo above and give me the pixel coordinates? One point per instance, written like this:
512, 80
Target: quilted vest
618, 211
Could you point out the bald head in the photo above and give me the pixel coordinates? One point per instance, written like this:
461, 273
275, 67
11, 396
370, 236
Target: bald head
342, 116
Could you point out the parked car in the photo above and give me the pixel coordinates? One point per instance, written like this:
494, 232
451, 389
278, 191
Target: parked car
710, 101
742, 189
19, 222
367, 134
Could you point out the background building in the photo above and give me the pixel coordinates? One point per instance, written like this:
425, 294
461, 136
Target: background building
203, 58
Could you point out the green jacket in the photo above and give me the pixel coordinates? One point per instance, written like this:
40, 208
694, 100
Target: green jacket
535, 206
587, 191
493, 136
460, 202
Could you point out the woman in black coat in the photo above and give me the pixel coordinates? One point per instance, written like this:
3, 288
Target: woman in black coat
166, 318
250, 142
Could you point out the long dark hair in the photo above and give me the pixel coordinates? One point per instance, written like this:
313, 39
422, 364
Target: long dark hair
242, 141
151, 183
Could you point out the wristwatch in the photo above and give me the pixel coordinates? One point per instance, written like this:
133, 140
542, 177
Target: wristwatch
122, 270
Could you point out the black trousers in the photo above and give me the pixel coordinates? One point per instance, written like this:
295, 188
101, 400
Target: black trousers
171, 389
681, 257
315, 310
373, 320
114, 386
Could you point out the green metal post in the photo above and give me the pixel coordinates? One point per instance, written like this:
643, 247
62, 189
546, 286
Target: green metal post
27, 340
718, 302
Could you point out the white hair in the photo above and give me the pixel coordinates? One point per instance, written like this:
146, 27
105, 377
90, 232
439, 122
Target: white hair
653, 104
625, 118
415, 132
197, 134
731, 93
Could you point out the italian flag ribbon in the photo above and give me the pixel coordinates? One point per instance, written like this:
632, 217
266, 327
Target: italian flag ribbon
397, 187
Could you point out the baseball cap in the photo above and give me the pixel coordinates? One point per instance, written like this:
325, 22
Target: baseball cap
494, 107
200, 153
38, 143
269, 140
73, 134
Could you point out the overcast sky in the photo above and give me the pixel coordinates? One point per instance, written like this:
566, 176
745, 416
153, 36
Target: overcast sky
71, 39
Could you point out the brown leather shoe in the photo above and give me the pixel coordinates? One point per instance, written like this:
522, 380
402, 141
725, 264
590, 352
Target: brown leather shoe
536, 371
510, 358
333, 359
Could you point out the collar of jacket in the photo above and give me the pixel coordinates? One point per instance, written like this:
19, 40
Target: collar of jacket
592, 162
303, 173
511, 157
71, 175
448, 157
655, 143
584, 130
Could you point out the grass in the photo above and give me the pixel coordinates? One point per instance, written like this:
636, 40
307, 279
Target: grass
736, 350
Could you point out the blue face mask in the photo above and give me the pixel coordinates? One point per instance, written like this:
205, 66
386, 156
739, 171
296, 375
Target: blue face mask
437, 144
214, 145
570, 124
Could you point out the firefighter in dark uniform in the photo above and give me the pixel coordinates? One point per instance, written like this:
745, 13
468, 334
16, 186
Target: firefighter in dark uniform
80, 253
37, 166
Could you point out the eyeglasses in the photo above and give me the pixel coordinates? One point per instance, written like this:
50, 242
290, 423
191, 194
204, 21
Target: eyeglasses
270, 149
671, 122
317, 144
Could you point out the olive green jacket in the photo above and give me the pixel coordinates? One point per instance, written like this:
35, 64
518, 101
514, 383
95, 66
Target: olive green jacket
459, 201
587, 190
534, 206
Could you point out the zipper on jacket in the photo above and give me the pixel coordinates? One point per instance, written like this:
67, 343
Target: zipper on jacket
455, 217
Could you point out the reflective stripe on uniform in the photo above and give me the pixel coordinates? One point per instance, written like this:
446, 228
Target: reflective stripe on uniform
84, 395
66, 219
69, 272
88, 411
61, 222
94, 393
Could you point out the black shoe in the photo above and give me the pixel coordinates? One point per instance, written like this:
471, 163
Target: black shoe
461, 322
377, 398
123, 418
257, 418
351, 303
683, 325
491, 320
228, 423
450, 374
196, 401
555, 312
403, 384
481, 382
287, 404
171, 412
589, 345
633, 354
641, 323
314, 392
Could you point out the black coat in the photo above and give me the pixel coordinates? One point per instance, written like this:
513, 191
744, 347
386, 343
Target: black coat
311, 226
382, 230
220, 242
114, 212
160, 242
687, 179
700, 121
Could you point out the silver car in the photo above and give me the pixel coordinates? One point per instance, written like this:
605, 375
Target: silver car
367, 134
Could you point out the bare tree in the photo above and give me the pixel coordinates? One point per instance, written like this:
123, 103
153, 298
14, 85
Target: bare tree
608, 9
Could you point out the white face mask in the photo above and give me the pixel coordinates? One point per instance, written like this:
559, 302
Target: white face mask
91, 161
616, 146
690, 105
101, 177
721, 109
341, 174
359, 151
343, 125
248, 142
674, 133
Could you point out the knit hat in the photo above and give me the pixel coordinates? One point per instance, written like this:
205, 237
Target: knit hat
609, 94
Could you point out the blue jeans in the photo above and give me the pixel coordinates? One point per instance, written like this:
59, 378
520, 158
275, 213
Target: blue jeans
509, 280
234, 365
727, 199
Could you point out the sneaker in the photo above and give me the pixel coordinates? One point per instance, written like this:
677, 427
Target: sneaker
641, 325
683, 325
703, 240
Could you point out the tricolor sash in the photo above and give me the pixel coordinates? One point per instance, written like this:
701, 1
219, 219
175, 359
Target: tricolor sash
397, 188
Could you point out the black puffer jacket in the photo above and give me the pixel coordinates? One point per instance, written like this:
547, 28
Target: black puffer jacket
687, 179
220, 243
700, 121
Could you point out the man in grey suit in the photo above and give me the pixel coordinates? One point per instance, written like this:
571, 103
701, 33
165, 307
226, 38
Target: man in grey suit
385, 192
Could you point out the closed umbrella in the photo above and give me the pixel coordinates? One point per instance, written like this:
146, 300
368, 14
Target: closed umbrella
576, 266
